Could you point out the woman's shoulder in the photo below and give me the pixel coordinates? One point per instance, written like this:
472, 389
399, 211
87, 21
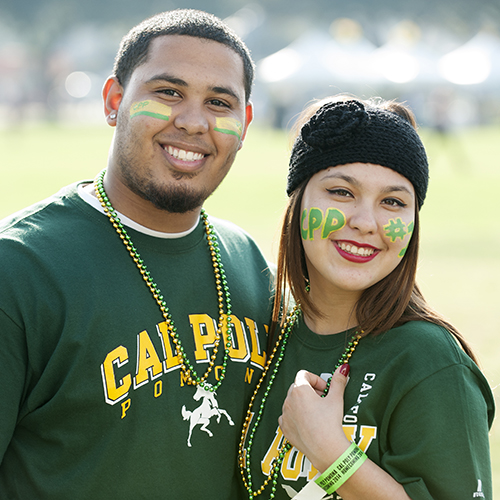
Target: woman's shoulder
421, 336
422, 345
421, 351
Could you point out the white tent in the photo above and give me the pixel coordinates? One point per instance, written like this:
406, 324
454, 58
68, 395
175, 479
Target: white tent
316, 60
475, 62
401, 63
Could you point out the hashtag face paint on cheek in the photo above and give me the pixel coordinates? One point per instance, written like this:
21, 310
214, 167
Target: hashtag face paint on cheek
397, 229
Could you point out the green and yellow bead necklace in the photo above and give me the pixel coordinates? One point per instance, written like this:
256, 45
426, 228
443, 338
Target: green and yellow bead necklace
244, 453
223, 294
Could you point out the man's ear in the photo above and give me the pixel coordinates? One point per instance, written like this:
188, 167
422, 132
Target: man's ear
248, 120
112, 95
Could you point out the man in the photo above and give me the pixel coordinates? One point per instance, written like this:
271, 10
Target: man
132, 325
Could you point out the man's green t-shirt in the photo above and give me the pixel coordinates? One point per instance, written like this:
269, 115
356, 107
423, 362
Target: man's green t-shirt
93, 404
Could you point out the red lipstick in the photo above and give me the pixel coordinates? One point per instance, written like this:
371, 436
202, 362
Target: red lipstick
358, 259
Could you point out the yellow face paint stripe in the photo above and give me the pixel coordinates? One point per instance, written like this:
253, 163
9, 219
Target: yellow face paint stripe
151, 108
229, 126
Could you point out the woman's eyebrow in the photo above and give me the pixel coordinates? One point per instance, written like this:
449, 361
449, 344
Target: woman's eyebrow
340, 175
355, 182
395, 188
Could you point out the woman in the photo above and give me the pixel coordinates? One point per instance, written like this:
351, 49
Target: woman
413, 420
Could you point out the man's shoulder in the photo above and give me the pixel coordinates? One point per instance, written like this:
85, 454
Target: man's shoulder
237, 243
226, 227
232, 234
42, 213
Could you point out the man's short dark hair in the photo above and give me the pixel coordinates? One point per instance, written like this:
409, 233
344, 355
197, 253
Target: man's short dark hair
134, 46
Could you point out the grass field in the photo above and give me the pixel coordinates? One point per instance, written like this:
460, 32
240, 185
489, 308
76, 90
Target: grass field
460, 258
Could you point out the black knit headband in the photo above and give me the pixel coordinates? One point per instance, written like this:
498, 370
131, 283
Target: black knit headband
348, 132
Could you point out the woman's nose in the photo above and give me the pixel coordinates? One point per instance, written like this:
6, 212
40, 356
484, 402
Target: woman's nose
363, 218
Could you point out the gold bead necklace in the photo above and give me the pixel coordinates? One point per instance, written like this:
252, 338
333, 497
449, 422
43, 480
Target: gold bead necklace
244, 459
223, 294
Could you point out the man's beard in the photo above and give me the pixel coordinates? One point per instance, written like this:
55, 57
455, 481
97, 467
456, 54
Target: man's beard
178, 198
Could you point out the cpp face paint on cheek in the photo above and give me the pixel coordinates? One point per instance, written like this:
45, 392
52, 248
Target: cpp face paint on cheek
329, 222
151, 108
229, 126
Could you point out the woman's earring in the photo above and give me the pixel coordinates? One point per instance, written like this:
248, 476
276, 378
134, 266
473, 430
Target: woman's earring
308, 286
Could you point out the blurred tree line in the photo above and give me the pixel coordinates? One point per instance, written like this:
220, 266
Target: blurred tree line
91, 30
280, 21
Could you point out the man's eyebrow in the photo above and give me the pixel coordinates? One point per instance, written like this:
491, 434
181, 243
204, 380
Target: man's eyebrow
179, 81
168, 78
226, 90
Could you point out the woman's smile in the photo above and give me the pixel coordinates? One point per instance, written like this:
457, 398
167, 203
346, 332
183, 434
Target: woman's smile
346, 214
355, 252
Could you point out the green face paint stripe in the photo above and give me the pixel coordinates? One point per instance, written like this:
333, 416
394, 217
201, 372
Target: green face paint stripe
395, 229
229, 126
151, 108
334, 221
303, 231
315, 220
149, 113
409, 228
227, 131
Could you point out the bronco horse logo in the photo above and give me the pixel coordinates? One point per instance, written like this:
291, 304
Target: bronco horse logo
201, 416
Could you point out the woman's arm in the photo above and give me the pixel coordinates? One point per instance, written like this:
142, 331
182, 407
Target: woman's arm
314, 426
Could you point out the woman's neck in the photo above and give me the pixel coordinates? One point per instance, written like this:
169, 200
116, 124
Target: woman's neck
337, 312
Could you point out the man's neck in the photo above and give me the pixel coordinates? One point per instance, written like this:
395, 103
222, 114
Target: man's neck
147, 215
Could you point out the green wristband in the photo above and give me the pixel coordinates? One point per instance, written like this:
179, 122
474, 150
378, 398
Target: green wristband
342, 469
